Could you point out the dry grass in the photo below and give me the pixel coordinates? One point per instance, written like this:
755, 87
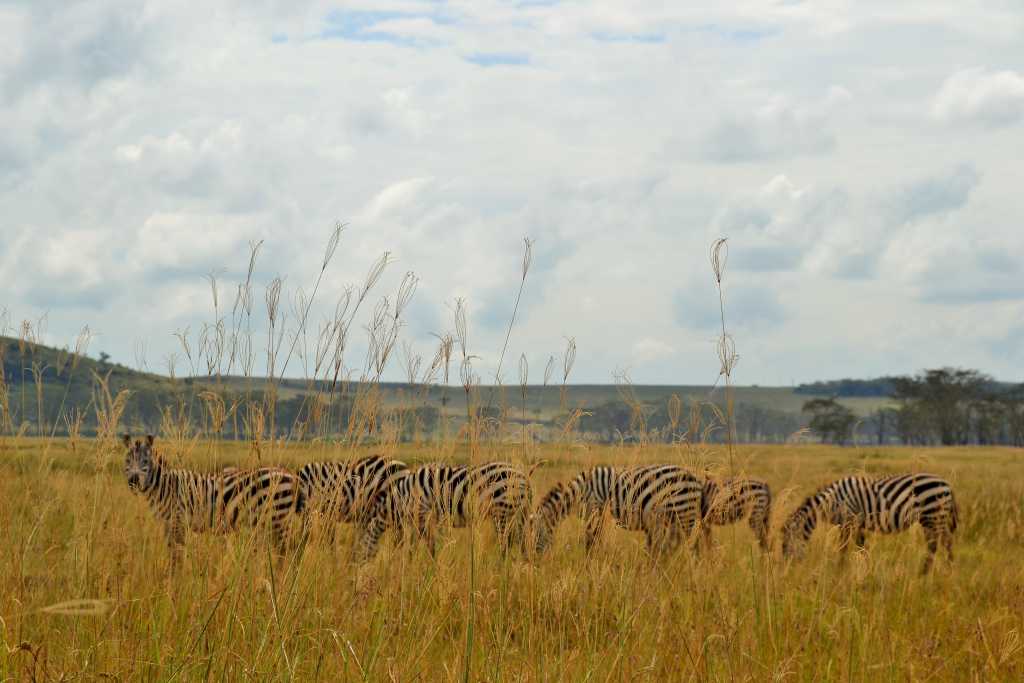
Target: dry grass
85, 588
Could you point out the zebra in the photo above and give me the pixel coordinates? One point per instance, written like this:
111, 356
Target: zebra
663, 501
432, 493
341, 491
888, 504
184, 499
727, 501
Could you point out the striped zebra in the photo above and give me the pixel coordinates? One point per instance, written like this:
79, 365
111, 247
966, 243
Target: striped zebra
889, 504
449, 494
183, 499
727, 501
663, 501
341, 491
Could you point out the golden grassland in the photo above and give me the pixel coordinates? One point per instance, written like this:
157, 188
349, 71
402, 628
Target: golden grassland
86, 590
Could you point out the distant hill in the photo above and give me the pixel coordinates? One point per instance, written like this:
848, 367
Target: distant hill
881, 386
68, 383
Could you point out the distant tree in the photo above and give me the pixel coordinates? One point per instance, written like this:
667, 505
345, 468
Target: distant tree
944, 398
830, 420
880, 386
882, 423
1013, 402
989, 418
104, 358
913, 425
607, 419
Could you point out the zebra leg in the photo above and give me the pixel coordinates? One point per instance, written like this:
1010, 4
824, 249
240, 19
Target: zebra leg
175, 534
504, 529
932, 538
426, 530
846, 532
673, 539
759, 525
661, 539
278, 538
367, 541
937, 531
705, 537
653, 543
594, 523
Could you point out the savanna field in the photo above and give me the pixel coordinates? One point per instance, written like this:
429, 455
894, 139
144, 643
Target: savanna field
86, 590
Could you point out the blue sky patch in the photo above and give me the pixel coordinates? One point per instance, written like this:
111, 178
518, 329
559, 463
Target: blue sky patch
613, 37
498, 59
360, 26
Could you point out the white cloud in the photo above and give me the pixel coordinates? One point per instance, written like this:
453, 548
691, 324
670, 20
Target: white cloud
145, 149
977, 95
647, 349
776, 129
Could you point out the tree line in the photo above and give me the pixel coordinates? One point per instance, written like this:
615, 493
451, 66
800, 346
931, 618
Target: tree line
942, 406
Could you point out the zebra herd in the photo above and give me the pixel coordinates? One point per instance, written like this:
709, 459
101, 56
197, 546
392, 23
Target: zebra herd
666, 502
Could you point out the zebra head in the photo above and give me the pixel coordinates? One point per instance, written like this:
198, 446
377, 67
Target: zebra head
552, 509
799, 526
138, 461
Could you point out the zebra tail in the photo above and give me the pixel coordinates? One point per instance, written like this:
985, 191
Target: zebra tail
954, 514
300, 499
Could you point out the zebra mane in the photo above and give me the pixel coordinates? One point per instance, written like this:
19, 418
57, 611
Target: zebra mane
559, 501
809, 511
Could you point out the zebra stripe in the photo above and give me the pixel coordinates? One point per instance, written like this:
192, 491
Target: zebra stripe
887, 505
434, 493
342, 491
727, 501
663, 501
184, 499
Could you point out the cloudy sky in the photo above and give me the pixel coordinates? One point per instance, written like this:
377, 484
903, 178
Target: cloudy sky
862, 157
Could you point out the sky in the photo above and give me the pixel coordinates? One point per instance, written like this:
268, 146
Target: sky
862, 158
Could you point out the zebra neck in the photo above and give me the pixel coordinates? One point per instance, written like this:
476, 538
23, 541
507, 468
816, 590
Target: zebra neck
157, 474
811, 512
598, 485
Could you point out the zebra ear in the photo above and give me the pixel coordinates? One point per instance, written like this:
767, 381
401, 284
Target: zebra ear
126, 439
149, 440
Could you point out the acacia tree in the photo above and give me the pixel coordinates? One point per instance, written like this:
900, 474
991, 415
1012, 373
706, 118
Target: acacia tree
944, 397
830, 420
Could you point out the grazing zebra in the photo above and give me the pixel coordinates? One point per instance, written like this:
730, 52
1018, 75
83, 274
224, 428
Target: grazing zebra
663, 501
727, 501
183, 499
341, 491
432, 494
889, 504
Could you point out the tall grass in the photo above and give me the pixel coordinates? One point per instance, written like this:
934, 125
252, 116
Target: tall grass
85, 589
77, 534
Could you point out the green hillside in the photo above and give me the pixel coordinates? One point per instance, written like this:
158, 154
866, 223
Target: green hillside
63, 383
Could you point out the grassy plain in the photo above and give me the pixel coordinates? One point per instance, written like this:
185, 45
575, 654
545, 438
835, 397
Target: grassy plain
72, 531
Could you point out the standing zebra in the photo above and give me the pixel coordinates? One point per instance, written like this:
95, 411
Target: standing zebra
727, 501
432, 494
183, 499
889, 504
342, 491
663, 501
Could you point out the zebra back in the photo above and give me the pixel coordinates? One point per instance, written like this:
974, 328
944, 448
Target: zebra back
345, 491
449, 494
640, 498
656, 494
888, 504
